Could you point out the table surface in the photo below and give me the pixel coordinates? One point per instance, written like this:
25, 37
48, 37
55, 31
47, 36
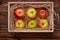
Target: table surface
5, 35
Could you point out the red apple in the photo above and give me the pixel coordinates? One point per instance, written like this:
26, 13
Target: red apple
42, 12
19, 12
43, 23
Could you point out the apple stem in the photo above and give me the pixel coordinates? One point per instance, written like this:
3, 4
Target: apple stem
18, 23
32, 12
31, 23
19, 12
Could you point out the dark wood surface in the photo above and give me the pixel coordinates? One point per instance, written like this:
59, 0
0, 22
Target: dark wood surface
5, 35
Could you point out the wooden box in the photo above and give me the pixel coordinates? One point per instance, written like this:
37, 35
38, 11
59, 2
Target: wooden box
11, 17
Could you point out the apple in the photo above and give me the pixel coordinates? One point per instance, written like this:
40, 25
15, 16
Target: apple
19, 12
32, 24
29, 19
31, 12
19, 23
43, 23
42, 12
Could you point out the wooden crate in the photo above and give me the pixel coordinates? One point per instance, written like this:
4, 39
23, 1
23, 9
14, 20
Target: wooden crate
11, 17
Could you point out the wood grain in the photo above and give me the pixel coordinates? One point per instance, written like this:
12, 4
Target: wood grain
8, 39
5, 35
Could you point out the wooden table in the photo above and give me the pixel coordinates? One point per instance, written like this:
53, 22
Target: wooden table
5, 35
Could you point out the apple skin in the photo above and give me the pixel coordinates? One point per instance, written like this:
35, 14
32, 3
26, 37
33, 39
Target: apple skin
31, 12
29, 19
19, 23
19, 13
32, 23
43, 23
42, 13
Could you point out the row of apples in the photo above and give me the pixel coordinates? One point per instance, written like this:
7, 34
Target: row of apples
31, 13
